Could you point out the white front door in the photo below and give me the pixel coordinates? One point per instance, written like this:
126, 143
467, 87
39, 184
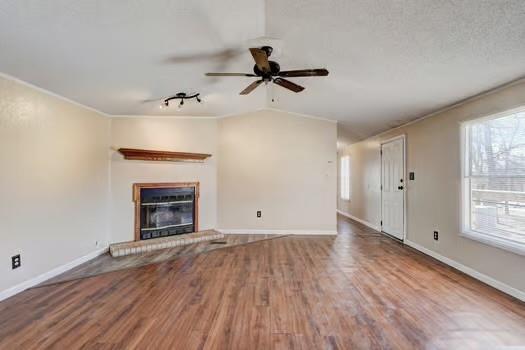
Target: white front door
393, 187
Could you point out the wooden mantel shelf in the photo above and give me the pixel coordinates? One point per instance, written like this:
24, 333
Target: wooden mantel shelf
143, 154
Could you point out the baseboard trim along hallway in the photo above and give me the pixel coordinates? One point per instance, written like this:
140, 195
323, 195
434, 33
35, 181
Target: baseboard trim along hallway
469, 271
516, 293
366, 223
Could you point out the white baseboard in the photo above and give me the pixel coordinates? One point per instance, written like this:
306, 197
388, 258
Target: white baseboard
50, 274
469, 271
274, 232
366, 223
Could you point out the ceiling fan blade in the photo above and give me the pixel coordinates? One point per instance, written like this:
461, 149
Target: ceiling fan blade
261, 59
221, 56
150, 100
230, 75
287, 84
251, 87
304, 73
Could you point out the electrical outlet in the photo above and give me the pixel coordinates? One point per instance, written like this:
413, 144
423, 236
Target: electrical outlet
436, 235
16, 262
259, 214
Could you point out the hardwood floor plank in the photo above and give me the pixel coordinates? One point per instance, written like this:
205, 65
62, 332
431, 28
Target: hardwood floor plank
359, 290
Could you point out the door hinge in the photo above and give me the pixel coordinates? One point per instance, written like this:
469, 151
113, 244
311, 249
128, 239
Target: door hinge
381, 223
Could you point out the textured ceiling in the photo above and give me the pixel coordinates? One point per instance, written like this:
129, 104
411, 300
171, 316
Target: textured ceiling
390, 61
393, 60
118, 55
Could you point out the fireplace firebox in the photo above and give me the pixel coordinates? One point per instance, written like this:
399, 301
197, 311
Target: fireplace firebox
165, 209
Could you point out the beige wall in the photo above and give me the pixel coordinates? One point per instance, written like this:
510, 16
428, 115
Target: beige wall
67, 193
161, 133
54, 181
267, 160
281, 164
433, 199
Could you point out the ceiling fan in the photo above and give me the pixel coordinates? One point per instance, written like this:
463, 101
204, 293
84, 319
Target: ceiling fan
270, 71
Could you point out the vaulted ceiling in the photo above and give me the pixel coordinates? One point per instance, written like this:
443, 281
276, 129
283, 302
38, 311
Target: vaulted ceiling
390, 61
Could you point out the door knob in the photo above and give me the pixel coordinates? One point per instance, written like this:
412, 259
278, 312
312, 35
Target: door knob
399, 187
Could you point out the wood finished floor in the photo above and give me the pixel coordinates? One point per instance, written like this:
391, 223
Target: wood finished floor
359, 290
106, 263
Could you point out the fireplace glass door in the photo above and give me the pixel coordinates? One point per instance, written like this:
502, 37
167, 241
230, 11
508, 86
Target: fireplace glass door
166, 211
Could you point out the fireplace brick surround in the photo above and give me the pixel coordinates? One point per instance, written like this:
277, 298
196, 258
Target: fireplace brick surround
155, 202
150, 245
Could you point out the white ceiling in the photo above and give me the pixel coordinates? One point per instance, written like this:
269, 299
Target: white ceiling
114, 55
389, 60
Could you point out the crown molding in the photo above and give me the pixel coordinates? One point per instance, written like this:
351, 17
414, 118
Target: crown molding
224, 116
454, 105
52, 94
204, 117
302, 115
236, 114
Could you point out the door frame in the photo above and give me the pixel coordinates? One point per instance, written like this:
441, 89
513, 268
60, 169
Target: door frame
405, 181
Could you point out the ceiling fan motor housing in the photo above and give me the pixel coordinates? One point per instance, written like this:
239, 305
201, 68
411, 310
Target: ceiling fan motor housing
268, 50
275, 68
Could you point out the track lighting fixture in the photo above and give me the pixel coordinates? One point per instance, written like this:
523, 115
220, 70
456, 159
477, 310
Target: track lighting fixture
181, 96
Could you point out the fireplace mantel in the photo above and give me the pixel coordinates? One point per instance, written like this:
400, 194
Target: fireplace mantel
143, 154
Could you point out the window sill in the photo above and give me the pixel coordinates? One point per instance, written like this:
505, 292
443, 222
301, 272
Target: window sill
501, 243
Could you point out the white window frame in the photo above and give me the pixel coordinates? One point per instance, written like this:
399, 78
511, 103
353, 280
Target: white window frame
345, 183
465, 229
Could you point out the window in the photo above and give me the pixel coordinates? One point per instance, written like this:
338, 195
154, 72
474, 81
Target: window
494, 180
345, 177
